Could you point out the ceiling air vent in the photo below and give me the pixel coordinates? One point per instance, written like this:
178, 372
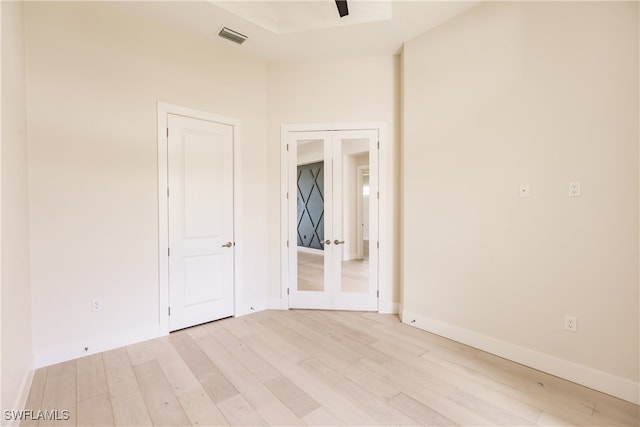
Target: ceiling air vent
234, 36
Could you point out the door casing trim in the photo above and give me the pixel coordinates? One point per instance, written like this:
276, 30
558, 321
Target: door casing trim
385, 287
163, 110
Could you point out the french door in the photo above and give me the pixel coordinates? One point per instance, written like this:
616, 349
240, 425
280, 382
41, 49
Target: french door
333, 219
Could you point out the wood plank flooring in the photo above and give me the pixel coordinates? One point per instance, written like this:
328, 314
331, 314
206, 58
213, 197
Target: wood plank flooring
354, 273
316, 368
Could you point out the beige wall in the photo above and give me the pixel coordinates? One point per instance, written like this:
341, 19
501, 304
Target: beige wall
95, 75
17, 353
526, 93
336, 91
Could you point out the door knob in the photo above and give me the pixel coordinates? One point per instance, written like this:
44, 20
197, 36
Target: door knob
227, 245
325, 242
338, 242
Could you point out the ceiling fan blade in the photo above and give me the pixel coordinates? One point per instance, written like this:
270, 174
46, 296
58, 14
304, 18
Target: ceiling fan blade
343, 9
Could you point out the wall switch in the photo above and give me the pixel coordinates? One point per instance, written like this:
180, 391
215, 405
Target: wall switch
574, 189
96, 305
570, 323
524, 190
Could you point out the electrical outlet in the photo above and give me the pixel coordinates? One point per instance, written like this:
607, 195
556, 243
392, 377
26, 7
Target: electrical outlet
524, 190
96, 305
570, 323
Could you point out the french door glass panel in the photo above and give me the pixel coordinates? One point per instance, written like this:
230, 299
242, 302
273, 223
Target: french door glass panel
311, 184
333, 266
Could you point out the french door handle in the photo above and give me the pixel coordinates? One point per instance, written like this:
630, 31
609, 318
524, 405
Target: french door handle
325, 242
227, 245
338, 242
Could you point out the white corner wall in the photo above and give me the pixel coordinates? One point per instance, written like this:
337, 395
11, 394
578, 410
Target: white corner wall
94, 77
336, 91
16, 356
537, 93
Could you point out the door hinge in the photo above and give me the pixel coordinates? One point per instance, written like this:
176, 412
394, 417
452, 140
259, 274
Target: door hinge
167, 132
169, 310
378, 195
287, 291
168, 251
377, 294
287, 243
378, 145
378, 244
287, 195
167, 191
287, 147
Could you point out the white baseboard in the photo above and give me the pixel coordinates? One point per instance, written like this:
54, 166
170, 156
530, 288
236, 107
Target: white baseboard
75, 349
310, 250
278, 304
389, 308
580, 374
351, 257
248, 309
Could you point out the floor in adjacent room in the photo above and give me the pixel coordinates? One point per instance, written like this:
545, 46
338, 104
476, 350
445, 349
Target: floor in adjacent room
313, 368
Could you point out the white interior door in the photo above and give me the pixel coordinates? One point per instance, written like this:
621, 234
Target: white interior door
326, 268
200, 204
355, 274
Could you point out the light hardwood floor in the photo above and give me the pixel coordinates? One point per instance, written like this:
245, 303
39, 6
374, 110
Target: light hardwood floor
354, 273
313, 368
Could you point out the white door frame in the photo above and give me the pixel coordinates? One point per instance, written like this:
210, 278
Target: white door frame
164, 110
385, 212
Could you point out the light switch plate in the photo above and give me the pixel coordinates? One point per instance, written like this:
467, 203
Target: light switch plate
574, 189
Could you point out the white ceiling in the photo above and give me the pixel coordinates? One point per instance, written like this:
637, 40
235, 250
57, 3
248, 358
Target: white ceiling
282, 17
286, 31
